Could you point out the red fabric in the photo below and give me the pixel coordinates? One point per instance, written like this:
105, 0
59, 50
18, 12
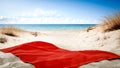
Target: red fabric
46, 55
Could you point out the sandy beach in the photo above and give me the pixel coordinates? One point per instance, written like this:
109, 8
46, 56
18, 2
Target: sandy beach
66, 39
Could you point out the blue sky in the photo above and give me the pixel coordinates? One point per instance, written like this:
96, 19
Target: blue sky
56, 11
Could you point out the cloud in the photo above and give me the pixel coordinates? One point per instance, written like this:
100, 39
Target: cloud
41, 13
2, 18
41, 16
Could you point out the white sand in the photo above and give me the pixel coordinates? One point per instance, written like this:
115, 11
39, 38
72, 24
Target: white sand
8, 60
71, 40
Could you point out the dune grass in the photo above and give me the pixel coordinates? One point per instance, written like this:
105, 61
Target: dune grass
10, 31
111, 23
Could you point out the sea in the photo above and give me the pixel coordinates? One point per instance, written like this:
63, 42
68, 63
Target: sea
49, 26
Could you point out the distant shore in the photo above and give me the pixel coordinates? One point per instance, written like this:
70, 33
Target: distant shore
50, 27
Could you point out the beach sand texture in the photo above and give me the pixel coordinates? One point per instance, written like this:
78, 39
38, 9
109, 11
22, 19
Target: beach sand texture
101, 37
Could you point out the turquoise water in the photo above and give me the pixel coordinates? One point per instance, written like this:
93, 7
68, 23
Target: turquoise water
50, 26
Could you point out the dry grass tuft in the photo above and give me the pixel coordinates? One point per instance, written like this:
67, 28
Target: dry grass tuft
3, 40
10, 31
111, 23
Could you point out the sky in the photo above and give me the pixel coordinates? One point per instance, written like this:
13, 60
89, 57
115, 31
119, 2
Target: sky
56, 11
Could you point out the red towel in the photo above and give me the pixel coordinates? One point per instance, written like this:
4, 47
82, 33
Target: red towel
46, 55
